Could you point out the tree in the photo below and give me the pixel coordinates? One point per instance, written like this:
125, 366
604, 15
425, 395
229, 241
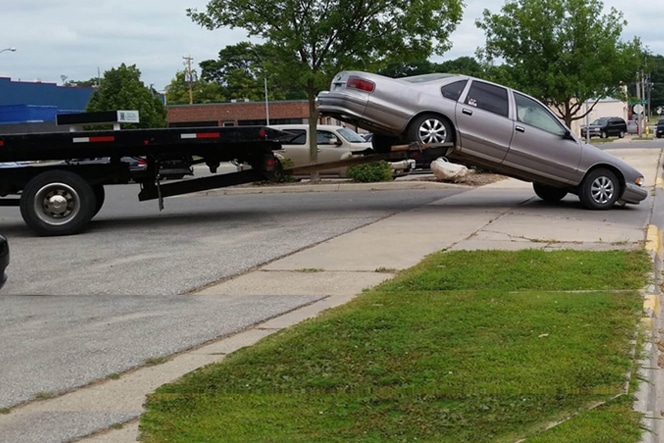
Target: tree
122, 88
564, 52
311, 41
177, 91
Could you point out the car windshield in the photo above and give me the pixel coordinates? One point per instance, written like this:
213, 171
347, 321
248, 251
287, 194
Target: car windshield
660, 123
351, 136
599, 121
426, 77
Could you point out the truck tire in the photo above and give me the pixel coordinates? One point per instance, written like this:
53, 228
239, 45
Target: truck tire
57, 203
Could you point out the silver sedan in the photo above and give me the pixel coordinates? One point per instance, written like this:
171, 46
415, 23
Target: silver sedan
483, 124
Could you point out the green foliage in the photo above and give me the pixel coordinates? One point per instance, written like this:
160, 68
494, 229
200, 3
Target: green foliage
457, 363
310, 42
202, 91
563, 52
379, 171
244, 69
122, 89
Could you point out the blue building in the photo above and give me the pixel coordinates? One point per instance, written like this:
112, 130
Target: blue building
32, 106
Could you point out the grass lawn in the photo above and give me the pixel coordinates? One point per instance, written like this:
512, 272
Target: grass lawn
483, 346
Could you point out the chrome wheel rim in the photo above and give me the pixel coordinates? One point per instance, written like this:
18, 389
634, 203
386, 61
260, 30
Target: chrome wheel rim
56, 203
432, 131
602, 190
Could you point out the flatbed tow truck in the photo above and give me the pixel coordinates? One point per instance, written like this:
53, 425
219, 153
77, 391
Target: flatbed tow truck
58, 195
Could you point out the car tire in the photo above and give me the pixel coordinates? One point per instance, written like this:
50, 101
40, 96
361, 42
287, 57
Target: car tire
603, 134
383, 143
600, 189
621, 134
430, 128
57, 203
549, 193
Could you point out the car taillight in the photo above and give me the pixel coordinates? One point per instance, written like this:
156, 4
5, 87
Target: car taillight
360, 83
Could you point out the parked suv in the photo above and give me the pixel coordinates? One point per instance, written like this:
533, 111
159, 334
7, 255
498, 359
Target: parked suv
605, 127
659, 129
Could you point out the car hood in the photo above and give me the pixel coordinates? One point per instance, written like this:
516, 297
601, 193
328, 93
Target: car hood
592, 155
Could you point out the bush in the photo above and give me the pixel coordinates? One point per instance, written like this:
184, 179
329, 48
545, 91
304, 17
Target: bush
379, 171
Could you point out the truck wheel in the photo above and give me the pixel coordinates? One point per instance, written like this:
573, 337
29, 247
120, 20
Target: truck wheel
600, 189
57, 203
100, 196
549, 193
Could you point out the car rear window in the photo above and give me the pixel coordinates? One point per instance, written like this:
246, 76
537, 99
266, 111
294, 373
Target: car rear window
453, 90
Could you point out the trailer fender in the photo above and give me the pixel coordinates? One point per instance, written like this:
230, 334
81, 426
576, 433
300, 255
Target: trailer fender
58, 202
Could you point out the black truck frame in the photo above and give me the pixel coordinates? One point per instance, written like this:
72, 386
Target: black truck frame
59, 195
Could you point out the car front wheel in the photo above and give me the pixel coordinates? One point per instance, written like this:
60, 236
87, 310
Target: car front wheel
621, 134
549, 193
430, 128
603, 134
600, 189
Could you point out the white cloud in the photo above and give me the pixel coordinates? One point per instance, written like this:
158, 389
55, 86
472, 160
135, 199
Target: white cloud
75, 38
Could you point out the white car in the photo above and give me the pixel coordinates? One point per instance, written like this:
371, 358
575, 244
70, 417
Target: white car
334, 143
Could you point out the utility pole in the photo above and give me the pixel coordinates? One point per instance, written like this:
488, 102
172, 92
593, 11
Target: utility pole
189, 78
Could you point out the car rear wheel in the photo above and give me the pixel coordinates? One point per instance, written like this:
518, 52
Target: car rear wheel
430, 128
600, 189
621, 134
549, 193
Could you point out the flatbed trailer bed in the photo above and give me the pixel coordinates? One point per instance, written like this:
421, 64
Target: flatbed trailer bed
58, 195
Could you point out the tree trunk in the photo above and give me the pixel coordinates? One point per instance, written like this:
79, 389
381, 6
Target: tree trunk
313, 123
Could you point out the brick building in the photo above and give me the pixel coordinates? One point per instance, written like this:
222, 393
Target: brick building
238, 113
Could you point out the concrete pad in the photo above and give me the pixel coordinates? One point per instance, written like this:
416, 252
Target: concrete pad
304, 278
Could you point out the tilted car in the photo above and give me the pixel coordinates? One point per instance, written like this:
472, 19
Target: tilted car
479, 123
334, 143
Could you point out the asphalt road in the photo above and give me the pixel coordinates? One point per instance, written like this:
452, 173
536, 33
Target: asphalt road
83, 307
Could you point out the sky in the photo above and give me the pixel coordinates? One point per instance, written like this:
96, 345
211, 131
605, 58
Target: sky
71, 40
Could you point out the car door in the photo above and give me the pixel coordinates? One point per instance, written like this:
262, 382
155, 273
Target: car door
542, 148
483, 123
330, 149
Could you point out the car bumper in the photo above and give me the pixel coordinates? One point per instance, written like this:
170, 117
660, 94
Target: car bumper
402, 167
350, 106
634, 194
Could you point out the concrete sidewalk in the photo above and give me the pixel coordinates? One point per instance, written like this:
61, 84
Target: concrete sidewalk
502, 215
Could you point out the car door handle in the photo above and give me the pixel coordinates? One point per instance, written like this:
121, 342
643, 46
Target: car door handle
467, 111
520, 128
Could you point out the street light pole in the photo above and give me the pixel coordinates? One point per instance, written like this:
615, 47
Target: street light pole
8, 49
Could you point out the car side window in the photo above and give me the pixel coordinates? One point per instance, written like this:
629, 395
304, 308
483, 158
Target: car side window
453, 90
294, 137
489, 97
532, 113
325, 138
